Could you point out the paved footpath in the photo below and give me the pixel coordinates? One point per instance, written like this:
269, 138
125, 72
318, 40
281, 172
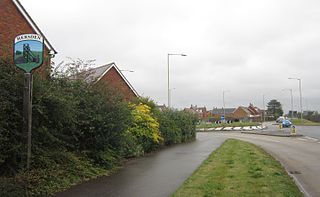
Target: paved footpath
157, 175
299, 155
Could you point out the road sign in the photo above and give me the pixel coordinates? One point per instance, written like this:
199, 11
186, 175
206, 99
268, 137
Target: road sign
28, 55
222, 118
28, 51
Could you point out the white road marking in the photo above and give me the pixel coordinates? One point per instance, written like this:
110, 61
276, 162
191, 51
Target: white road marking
247, 128
250, 137
302, 139
311, 138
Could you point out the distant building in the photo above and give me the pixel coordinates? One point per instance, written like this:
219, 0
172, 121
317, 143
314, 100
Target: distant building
250, 113
294, 113
308, 113
240, 113
14, 21
217, 113
200, 112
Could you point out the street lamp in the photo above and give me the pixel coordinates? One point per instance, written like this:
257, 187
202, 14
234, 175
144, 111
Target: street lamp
224, 103
291, 100
170, 95
301, 111
170, 54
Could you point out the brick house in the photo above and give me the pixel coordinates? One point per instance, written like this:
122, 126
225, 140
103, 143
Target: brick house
109, 77
250, 113
14, 21
217, 113
200, 112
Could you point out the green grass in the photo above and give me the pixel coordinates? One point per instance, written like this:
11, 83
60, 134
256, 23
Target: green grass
239, 169
234, 124
304, 122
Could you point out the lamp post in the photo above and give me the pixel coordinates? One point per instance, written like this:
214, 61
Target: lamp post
291, 100
171, 54
170, 95
301, 111
224, 103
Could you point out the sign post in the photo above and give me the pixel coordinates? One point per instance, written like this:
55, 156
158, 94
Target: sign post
28, 55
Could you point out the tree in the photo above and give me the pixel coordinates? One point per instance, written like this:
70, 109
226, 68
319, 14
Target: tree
274, 108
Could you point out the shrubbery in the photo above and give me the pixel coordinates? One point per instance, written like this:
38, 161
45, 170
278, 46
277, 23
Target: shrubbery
78, 132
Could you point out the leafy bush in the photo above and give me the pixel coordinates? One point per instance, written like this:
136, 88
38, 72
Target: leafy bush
78, 132
11, 135
177, 126
145, 127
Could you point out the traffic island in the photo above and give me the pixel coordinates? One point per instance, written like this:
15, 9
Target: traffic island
239, 168
279, 133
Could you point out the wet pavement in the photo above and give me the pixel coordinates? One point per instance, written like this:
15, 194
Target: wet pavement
311, 131
156, 175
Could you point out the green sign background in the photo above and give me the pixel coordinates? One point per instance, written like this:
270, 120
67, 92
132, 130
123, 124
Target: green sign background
28, 51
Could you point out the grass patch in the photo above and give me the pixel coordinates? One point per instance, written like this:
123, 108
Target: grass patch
234, 124
239, 168
304, 122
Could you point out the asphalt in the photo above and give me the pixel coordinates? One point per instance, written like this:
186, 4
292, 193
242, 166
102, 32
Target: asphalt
300, 156
160, 174
278, 133
156, 175
310, 131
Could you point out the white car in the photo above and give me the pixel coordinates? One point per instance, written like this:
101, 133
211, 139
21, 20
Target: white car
280, 119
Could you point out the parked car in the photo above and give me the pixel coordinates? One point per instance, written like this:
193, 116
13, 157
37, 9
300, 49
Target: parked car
286, 123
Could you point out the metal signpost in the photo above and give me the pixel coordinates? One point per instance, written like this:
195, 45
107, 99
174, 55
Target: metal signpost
28, 55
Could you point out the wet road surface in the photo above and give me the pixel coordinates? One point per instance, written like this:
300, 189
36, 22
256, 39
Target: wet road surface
311, 131
157, 175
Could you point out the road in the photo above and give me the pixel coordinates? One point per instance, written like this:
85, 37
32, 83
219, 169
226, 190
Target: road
311, 131
159, 174
299, 155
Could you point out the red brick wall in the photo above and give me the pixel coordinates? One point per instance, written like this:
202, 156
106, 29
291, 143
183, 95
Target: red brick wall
113, 80
239, 113
13, 23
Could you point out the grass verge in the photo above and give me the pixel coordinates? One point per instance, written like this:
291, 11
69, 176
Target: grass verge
239, 168
304, 122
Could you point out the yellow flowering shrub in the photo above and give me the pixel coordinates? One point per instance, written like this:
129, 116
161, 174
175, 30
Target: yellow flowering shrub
145, 127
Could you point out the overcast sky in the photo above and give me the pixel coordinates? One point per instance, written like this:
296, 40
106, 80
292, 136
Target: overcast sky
249, 47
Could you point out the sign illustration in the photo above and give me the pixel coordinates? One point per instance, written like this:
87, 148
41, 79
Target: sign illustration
28, 51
